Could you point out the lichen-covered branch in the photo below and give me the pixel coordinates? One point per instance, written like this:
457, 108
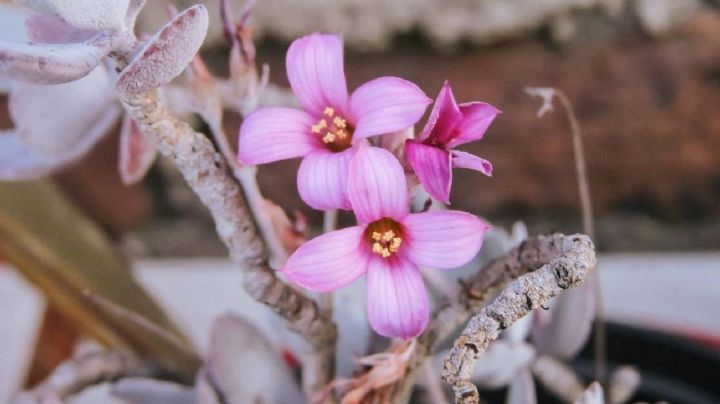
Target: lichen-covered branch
529, 256
206, 173
76, 374
524, 294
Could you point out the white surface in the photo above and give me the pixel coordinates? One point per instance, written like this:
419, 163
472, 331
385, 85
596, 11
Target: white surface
21, 309
671, 291
674, 292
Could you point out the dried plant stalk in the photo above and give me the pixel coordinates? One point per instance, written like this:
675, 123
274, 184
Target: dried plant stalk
206, 173
517, 300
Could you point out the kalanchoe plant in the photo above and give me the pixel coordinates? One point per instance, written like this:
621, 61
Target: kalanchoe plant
331, 121
351, 146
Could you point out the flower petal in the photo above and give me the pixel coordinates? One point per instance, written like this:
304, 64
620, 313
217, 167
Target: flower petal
397, 304
272, 134
329, 261
322, 179
477, 117
385, 105
444, 116
315, 71
443, 239
376, 186
432, 166
466, 160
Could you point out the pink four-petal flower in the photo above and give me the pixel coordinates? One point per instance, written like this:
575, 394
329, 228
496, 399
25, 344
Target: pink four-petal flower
331, 121
432, 156
389, 244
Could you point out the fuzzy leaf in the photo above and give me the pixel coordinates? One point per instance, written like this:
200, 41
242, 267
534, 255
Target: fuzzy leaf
91, 14
245, 367
571, 317
18, 162
522, 389
65, 119
166, 54
51, 29
50, 63
137, 152
142, 391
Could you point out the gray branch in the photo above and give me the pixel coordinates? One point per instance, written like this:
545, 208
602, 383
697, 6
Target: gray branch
524, 294
206, 173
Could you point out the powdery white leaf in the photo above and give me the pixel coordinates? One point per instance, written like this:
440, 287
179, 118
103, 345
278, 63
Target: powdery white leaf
91, 14
522, 389
50, 63
137, 390
593, 395
204, 392
18, 162
133, 10
65, 119
571, 317
245, 367
51, 29
520, 330
624, 381
137, 152
166, 54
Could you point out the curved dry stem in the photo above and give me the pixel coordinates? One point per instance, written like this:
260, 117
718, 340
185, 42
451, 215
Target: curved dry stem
529, 256
206, 173
524, 294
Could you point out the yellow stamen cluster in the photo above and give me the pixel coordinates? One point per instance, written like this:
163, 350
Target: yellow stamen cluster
385, 243
337, 130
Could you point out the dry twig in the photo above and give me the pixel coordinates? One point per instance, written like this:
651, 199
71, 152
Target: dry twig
525, 294
529, 256
206, 173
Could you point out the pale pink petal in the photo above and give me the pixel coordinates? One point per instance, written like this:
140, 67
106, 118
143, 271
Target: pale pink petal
443, 118
329, 261
137, 152
272, 134
315, 71
477, 117
466, 160
385, 105
397, 304
443, 239
323, 178
42, 28
376, 186
432, 166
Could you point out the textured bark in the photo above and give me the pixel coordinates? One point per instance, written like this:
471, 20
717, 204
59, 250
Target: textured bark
531, 255
528, 292
206, 173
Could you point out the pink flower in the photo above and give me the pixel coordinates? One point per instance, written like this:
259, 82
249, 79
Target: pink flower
331, 121
389, 245
432, 156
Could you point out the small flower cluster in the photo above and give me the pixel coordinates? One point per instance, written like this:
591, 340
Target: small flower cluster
343, 169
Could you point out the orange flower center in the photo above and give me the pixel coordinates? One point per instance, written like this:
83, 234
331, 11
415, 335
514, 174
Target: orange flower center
335, 131
385, 237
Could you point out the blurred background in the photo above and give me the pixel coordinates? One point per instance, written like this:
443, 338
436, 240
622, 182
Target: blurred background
643, 76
